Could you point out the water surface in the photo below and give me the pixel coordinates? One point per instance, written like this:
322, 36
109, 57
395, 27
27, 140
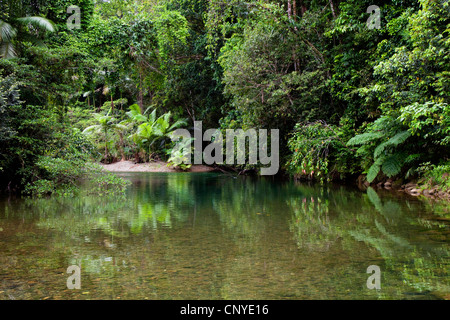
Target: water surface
214, 236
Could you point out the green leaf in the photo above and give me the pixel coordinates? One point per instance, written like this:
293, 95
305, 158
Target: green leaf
392, 165
373, 172
374, 198
399, 138
379, 150
412, 157
39, 22
135, 114
7, 32
394, 141
7, 50
364, 138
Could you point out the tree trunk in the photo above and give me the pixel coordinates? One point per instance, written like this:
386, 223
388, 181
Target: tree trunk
100, 105
122, 152
112, 103
294, 56
332, 9
294, 8
106, 146
303, 7
289, 9
141, 95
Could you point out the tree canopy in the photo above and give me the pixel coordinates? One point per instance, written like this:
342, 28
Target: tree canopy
349, 97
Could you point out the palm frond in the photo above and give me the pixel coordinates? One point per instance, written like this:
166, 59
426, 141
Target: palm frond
7, 31
178, 124
7, 50
89, 130
152, 117
38, 22
135, 114
162, 124
167, 117
120, 127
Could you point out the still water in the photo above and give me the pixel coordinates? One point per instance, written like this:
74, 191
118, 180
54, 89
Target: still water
215, 236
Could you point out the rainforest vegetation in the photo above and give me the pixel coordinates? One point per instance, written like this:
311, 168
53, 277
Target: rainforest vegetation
354, 92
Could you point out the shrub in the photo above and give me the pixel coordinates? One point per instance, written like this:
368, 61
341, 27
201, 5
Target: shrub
400, 140
319, 152
430, 174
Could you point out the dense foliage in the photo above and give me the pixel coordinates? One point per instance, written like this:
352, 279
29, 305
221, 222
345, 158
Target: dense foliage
349, 99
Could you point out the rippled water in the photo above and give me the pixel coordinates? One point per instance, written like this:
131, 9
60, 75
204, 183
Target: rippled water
213, 236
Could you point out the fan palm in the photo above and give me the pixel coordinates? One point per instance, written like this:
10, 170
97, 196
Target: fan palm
21, 29
105, 124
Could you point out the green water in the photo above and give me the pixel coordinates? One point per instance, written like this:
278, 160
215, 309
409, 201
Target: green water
213, 236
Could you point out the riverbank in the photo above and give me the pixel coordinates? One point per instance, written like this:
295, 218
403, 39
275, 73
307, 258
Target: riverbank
433, 192
154, 166
411, 188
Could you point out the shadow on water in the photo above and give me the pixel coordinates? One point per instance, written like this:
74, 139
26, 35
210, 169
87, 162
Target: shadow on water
213, 236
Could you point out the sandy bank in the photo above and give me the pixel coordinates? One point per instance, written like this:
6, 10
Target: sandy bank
155, 166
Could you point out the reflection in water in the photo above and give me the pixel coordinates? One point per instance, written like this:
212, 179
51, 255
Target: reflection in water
211, 236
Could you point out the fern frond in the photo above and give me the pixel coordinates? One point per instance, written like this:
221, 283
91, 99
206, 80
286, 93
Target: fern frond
392, 142
392, 165
412, 157
374, 198
399, 138
379, 150
373, 172
364, 138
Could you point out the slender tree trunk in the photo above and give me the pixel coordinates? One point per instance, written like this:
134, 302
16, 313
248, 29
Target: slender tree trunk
294, 7
100, 105
294, 59
334, 17
141, 94
149, 154
122, 146
112, 103
106, 146
332, 9
289, 9
302, 7
294, 56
